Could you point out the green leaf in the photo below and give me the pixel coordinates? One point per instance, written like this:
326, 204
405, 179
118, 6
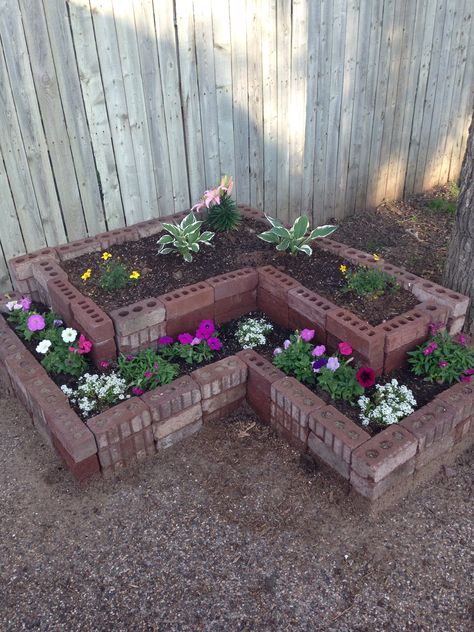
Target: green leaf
283, 245
207, 235
165, 251
300, 226
188, 220
306, 249
322, 231
269, 236
174, 230
194, 247
273, 220
166, 239
187, 256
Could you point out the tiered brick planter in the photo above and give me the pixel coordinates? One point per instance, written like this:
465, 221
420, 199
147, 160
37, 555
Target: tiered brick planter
141, 426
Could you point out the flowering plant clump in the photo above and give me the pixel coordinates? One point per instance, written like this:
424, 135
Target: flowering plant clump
369, 282
222, 213
112, 276
337, 376
146, 370
251, 332
443, 358
95, 393
193, 349
294, 357
390, 403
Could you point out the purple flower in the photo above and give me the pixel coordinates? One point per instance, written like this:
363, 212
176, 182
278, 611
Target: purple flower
148, 374
185, 339
129, 358
430, 348
58, 323
318, 364
136, 390
333, 364
318, 351
277, 351
36, 322
214, 343
25, 303
462, 340
286, 344
206, 328
307, 335
165, 340
155, 366
196, 341
443, 364
436, 327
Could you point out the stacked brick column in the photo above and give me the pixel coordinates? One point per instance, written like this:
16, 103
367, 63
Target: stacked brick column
223, 387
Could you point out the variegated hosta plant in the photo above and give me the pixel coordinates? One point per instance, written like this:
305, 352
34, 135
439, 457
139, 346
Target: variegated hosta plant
184, 238
297, 238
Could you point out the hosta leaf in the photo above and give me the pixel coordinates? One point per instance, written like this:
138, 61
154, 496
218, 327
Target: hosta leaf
283, 245
306, 249
322, 231
269, 236
282, 232
273, 220
300, 226
187, 256
165, 251
165, 239
171, 228
207, 235
188, 220
194, 247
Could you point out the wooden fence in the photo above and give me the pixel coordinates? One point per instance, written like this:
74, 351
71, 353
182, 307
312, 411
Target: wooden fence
114, 111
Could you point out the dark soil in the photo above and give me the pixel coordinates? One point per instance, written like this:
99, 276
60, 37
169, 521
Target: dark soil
230, 251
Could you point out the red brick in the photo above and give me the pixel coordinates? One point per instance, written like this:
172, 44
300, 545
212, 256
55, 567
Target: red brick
44, 398
188, 299
436, 313
366, 341
218, 406
398, 357
104, 351
78, 248
63, 294
119, 422
430, 291
45, 271
92, 320
275, 282
337, 431
232, 283
384, 452
276, 309
117, 236
410, 326
312, 307
461, 398
81, 470
178, 435
261, 404
68, 430
149, 228
234, 307
189, 322
373, 490
405, 279
165, 401
326, 454
293, 405
220, 376
430, 423
132, 318
463, 429
10, 344
330, 245
437, 450
20, 267
261, 372
455, 325
23, 367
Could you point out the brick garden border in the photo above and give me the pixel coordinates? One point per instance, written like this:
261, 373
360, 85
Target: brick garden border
143, 425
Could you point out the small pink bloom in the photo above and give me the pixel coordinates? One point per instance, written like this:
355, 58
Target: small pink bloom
73, 350
470, 372
214, 344
277, 351
333, 364
84, 345
197, 207
25, 303
185, 339
465, 378
430, 348
148, 374
435, 327
36, 322
196, 341
345, 349
318, 351
129, 358
462, 340
165, 340
307, 335
155, 366
206, 328
136, 390
443, 364
212, 197
104, 364
286, 344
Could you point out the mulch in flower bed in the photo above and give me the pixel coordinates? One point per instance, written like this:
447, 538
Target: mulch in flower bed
230, 251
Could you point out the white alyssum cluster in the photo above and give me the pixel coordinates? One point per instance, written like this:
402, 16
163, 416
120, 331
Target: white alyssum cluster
390, 403
252, 332
95, 392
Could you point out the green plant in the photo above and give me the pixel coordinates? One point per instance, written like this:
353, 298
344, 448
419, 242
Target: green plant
192, 349
95, 393
340, 383
184, 238
295, 239
372, 282
146, 370
295, 358
441, 205
453, 190
62, 360
251, 332
114, 276
443, 359
390, 403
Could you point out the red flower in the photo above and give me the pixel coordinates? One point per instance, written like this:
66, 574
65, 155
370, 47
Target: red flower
345, 349
84, 345
365, 376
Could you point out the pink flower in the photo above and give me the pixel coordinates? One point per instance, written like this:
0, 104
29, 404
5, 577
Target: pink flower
226, 185
443, 363
430, 348
84, 345
465, 378
206, 328
435, 327
318, 351
185, 339
196, 341
155, 366
36, 322
470, 372
462, 340
277, 351
129, 358
197, 207
333, 364
104, 364
345, 349
148, 374
136, 390
307, 335
25, 303
214, 343
165, 340
286, 344
212, 197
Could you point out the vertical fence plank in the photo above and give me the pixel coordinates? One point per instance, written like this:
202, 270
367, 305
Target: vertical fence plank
254, 74
283, 100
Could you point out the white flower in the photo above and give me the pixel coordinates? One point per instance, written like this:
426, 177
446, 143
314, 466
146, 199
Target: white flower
69, 335
11, 305
43, 346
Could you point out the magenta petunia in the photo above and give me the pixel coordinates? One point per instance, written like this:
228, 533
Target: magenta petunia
470, 372
36, 322
430, 348
307, 335
462, 339
25, 303
84, 345
185, 339
319, 350
214, 343
136, 390
345, 349
443, 364
165, 340
465, 378
205, 329
148, 374
104, 364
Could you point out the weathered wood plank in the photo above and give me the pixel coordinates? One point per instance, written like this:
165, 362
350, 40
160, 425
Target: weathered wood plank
254, 75
283, 102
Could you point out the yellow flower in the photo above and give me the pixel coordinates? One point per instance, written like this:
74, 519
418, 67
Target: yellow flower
86, 274
106, 255
376, 257
343, 269
134, 275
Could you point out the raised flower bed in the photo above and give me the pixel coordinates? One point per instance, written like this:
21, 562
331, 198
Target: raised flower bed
144, 424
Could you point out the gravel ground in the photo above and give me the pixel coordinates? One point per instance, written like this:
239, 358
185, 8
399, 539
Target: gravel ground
227, 531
